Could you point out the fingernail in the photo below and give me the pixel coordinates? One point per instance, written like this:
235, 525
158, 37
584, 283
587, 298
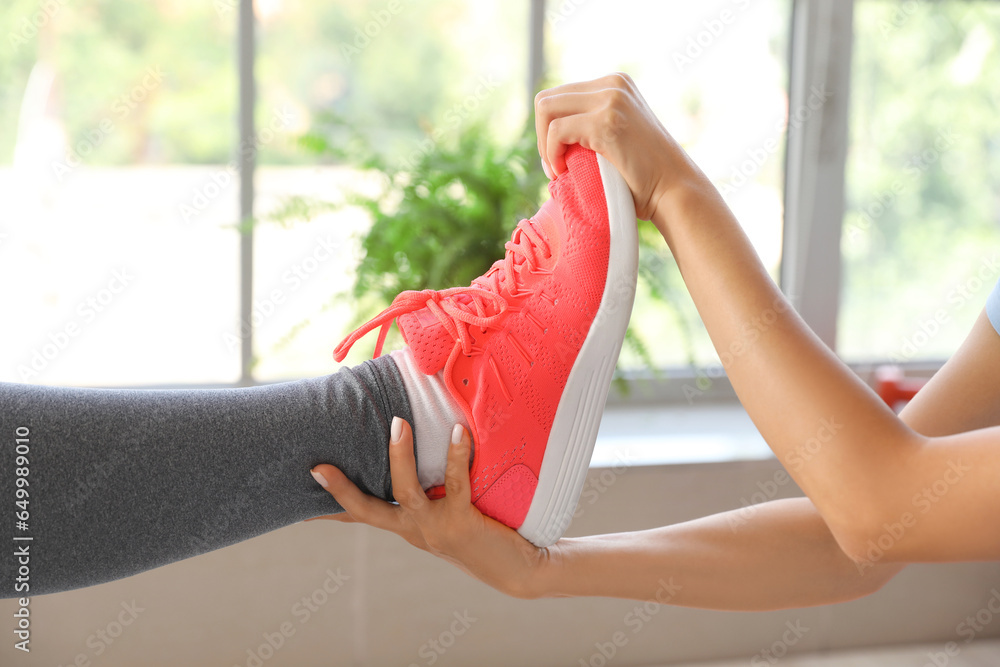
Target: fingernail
397, 429
319, 478
546, 169
456, 434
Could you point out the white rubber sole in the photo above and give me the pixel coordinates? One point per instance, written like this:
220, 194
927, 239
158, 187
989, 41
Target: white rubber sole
574, 429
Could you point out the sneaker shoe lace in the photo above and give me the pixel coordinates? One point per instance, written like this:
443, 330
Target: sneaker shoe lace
481, 305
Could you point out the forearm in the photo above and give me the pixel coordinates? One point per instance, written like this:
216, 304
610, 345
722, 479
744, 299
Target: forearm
963, 395
836, 438
783, 556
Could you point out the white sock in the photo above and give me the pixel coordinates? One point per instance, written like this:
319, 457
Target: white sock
435, 414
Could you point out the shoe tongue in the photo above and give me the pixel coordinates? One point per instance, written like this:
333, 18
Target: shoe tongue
428, 340
548, 218
549, 221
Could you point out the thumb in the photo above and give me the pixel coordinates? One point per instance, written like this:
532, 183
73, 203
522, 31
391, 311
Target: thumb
456, 476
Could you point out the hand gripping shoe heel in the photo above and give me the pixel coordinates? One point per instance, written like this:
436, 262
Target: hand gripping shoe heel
529, 348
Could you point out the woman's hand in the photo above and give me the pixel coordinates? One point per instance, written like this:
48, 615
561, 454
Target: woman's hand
450, 528
610, 116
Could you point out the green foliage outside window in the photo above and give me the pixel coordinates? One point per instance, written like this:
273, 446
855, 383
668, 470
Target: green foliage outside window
444, 213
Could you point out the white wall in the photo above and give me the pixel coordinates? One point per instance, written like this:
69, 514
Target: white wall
209, 610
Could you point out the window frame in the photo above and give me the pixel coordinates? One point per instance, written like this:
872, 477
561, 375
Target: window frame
819, 58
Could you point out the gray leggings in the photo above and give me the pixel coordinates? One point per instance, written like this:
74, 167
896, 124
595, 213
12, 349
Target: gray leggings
123, 481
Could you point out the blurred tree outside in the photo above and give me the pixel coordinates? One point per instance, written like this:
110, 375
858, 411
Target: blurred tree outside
78, 88
923, 177
414, 78
101, 49
924, 159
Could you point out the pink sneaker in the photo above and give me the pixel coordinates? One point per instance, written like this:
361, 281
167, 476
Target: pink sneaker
530, 347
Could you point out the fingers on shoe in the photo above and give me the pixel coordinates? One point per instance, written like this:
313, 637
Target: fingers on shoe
547, 101
552, 112
595, 99
403, 468
456, 478
564, 132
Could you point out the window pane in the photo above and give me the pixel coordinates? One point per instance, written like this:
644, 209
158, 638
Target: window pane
920, 237
715, 74
398, 72
118, 253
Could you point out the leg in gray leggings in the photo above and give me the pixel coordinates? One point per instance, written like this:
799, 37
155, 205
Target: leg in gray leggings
122, 481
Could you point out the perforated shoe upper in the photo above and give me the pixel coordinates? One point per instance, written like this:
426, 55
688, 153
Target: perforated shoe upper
508, 342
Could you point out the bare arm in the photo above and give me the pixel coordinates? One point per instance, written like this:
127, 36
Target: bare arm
786, 555
782, 556
863, 468
965, 394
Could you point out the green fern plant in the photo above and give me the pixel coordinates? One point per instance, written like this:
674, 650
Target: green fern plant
442, 217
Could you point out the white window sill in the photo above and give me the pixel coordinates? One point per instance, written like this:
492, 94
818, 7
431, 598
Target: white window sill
673, 434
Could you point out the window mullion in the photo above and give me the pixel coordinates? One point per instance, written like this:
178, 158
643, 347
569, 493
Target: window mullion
819, 89
536, 49
247, 164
